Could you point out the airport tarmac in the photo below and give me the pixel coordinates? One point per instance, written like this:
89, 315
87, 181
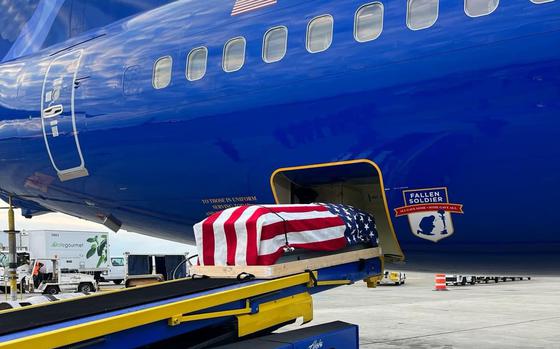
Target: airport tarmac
520, 314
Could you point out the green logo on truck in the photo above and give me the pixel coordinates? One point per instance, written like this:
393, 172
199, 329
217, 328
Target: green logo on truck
98, 249
66, 245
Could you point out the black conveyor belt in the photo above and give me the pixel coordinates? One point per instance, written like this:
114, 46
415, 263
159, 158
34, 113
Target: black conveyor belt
52, 313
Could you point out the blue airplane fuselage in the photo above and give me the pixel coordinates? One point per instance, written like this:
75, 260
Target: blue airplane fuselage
470, 105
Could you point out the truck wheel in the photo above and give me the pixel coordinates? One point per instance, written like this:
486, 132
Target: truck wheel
117, 282
86, 287
51, 290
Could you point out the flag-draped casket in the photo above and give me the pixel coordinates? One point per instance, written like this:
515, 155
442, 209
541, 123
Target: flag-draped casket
260, 234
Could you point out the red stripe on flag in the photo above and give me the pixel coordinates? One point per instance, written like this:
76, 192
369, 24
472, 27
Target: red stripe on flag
279, 228
231, 234
208, 242
252, 241
328, 245
251, 225
270, 259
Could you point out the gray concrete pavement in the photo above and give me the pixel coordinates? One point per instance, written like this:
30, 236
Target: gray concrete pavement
505, 315
521, 314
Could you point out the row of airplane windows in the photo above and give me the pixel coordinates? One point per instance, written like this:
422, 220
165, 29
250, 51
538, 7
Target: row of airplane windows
368, 25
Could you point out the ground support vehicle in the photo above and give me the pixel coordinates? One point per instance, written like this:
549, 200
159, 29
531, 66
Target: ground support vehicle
143, 269
462, 280
196, 312
55, 281
396, 278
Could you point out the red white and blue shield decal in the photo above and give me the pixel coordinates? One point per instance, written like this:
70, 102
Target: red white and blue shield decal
429, 213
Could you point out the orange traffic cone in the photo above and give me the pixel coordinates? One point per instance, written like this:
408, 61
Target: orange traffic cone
440, 283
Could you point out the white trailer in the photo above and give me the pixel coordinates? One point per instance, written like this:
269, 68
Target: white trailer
462, 280
141, 269
457, 280
81, 251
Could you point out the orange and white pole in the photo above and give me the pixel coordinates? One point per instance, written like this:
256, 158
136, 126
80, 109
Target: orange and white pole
440, 283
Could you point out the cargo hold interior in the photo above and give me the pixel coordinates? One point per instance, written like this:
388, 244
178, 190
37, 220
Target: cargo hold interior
356, 183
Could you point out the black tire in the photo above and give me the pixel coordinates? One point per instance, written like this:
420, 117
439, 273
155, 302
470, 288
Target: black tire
117, 282
51, 290
86, 287
97, 276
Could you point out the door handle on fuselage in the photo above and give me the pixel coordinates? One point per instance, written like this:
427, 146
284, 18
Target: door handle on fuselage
53, 111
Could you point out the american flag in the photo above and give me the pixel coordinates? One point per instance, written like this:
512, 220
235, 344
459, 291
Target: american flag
259, 235
360, 225
242, 6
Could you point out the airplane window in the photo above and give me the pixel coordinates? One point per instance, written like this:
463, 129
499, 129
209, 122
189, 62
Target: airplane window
234, 55
477, 8
541, 1
275, 44
320, 34
162, 72
368, 23
422, 14
196, 63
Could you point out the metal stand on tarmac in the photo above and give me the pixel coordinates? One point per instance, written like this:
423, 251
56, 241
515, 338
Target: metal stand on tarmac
12, 264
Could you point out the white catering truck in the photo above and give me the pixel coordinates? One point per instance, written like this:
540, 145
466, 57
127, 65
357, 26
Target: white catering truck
76, 251
82, 251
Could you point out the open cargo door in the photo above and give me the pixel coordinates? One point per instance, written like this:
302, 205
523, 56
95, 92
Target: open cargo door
357, 183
